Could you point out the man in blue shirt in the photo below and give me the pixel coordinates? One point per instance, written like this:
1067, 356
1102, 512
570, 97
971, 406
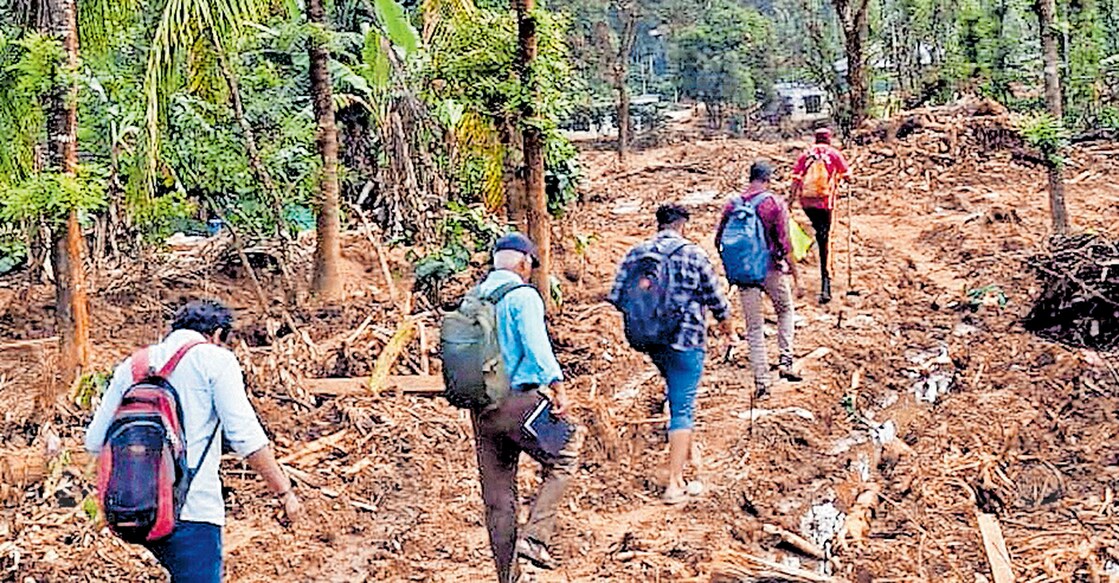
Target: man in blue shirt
499, 432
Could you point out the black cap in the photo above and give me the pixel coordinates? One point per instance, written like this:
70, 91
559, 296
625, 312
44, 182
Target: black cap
518, 242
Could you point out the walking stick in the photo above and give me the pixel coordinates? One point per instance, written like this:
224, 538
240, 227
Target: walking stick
850, 244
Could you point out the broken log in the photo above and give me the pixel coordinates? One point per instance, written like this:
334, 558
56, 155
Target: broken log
315, 450
797, 542
358, 386
733, 566
391, 353
856, 527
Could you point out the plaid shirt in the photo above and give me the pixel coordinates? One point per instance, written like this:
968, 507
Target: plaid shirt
694, 287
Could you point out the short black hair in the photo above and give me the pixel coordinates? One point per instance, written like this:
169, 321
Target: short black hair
205, 317
670, 214
761, 171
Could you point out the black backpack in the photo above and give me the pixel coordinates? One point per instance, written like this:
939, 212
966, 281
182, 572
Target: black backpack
652, 320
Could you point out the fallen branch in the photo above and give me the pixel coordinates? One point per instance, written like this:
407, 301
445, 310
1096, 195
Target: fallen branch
728, 566
357, 386
391, 353
801, 544
316, 449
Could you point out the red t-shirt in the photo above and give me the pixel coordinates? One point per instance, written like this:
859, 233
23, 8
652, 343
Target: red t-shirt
837, 170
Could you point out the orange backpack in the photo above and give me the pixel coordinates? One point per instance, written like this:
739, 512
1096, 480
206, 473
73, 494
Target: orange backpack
817, 179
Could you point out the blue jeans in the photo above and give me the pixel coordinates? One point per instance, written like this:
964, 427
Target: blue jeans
192, 553
681, 371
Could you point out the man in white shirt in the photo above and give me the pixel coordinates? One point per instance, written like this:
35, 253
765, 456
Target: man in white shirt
211, 389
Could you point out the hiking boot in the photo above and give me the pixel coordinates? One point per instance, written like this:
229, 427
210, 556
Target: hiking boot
785, 371
825, 290
536, 553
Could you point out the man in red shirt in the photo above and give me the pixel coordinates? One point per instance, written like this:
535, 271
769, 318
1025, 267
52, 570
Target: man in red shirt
816, 179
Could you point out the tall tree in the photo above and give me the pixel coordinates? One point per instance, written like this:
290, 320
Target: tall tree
1051, 57
854, 23
627, 35
539, 227
71, 299
327, 281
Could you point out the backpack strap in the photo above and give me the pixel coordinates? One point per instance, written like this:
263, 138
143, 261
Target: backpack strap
140, 367
192, 472
178, 356
141, 362
503, 290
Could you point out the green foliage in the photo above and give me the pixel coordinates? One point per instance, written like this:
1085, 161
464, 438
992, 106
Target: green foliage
723, 57
464, 231
397, 26
1047, 134
49, 196
561, 173
91, 386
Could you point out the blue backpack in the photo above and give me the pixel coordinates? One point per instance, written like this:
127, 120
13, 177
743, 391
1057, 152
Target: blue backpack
743, 246
652, 321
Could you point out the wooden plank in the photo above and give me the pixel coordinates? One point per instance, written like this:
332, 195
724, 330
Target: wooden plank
358, 386
997, 555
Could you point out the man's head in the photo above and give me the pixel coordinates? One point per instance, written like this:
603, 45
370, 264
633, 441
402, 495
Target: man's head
761, 172
208, 317
823, 136
672, 216
517, 253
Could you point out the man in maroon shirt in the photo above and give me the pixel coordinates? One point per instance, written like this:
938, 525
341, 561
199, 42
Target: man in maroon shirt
774, 213
818, 201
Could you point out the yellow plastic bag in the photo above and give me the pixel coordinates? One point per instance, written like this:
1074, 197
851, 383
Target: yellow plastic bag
802, 243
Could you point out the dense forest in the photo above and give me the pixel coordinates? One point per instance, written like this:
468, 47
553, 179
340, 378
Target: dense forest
440, 121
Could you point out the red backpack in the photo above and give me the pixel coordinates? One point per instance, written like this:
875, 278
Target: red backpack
143, 477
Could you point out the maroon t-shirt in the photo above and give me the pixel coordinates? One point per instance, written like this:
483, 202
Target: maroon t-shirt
774, 213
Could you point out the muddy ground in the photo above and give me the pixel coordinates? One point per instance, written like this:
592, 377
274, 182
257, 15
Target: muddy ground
1018, 427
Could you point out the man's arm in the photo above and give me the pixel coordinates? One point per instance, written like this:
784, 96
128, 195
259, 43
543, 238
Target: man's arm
727, 210
103, 417
710, 290
798, 176
243, 431
620, 278
528, 308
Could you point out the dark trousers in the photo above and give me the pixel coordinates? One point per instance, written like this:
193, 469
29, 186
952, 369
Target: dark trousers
821, 223
191, 554
500, 439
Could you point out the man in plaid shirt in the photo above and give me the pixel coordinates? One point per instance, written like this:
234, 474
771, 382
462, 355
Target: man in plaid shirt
694, 289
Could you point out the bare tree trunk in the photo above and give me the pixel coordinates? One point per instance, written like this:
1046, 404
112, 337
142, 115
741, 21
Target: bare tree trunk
539, 225
1050, 52
855, 23
71, 301
256, 163
516, 205
327, 282
627, 13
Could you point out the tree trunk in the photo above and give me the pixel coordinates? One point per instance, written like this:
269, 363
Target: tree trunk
327, 282
1050, 53
855, 24
256, 164
516, 205
71, 301
539, 226
628, 36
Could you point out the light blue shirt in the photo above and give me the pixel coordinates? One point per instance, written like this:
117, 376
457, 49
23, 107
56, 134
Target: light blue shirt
212, 390
522, 333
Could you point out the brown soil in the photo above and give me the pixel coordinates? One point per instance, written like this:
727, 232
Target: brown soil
1024, 431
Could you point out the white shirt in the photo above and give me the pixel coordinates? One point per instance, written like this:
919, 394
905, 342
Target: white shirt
212, 390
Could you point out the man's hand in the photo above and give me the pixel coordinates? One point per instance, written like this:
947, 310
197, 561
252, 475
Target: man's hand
560, 403
293, 507
725, 329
